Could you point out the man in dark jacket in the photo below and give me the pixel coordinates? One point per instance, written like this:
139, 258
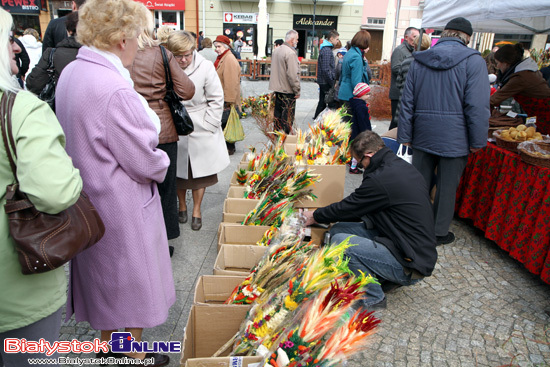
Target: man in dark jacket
57, 28
445, 115
391, 217
326, 69
400, 53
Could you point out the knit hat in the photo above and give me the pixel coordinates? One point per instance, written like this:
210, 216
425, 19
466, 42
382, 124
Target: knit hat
342, 51
460, 24
361, 89
223, 39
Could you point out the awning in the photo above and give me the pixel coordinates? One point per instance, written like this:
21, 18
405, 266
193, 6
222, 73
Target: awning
502, 16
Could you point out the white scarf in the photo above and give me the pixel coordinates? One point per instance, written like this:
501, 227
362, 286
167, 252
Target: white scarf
115, 60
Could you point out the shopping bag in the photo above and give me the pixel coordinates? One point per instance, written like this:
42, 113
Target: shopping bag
234, 129
404, 152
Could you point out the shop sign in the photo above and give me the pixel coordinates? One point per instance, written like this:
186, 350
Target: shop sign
321, 22
164, 5
242, 18
21, 6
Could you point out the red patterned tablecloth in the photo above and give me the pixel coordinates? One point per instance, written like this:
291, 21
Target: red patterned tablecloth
510, 201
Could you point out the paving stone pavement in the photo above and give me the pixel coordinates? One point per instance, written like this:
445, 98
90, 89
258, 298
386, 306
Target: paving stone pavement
479, 308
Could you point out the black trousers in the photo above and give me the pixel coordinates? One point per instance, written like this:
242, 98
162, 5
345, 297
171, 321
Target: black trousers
168, 192
285, 108
323, 89
225, 117
393, 123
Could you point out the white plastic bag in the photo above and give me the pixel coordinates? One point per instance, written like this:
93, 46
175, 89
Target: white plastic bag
404, 152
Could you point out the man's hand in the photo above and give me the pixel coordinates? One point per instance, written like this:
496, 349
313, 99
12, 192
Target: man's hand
309, 218
473, 150
297, 96
407, 144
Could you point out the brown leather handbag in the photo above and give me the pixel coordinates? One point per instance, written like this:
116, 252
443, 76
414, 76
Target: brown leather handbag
44, 241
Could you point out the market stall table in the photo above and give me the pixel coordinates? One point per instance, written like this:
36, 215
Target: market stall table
510, 201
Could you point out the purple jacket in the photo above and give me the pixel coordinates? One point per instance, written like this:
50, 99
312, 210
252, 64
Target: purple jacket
125, 280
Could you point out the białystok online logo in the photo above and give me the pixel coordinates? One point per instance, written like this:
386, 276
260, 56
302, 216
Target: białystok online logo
121, 342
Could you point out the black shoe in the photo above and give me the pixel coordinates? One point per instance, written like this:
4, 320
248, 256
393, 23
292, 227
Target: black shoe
355, 171
230, 151
378, 306
159, 360
443, 240
171, 249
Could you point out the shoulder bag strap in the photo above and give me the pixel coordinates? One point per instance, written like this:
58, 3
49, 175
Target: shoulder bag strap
169, 84
6, 106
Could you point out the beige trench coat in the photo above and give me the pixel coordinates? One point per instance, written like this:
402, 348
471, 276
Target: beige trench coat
205, 146
229, 72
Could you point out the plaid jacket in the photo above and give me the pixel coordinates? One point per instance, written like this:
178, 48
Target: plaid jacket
326, 67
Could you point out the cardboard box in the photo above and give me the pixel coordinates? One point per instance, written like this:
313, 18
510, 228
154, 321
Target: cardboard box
209, 328
291, 139
233, 181
235, 210
212, 289
235, 192
236, 234
290, 149
238, 260
331, 187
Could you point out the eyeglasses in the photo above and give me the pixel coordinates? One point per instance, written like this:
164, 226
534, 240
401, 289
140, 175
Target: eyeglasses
12, 40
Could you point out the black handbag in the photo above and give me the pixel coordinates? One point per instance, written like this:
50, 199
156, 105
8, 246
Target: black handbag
48, 92
182, 120
330, 96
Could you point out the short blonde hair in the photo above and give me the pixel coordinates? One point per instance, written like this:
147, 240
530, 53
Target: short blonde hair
180, 42
32, 32
104, 23
426, 42
163, 33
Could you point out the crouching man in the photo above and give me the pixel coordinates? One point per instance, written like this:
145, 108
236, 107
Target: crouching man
390, 216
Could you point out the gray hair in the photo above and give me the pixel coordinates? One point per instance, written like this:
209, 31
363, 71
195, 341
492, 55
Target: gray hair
366, 142
290, 34
409, 30
457, 34
227, 47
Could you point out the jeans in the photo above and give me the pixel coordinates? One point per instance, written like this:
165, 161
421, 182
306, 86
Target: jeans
371, 258
47, 328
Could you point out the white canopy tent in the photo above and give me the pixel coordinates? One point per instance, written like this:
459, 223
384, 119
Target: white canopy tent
502, 16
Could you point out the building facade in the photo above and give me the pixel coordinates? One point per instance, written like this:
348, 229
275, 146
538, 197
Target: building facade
233, 18
28, 14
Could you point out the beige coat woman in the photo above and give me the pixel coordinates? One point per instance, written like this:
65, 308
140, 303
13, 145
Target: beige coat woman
229, 72
205, 146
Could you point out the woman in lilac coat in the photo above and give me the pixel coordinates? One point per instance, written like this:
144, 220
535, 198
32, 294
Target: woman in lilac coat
125, 280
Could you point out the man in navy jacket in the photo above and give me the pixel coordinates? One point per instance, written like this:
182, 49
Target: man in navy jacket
390, 216
445, 115
326, 69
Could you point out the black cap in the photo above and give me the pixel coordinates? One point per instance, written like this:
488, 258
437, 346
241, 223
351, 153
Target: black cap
460, 24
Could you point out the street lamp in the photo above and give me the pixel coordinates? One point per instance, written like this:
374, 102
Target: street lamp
313, 36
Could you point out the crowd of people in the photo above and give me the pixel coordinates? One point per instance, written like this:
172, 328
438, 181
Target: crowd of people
113, 134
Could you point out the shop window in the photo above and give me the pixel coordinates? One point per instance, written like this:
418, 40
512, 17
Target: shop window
22, 22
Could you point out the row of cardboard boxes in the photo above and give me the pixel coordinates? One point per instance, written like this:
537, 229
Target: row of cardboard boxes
211, 323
